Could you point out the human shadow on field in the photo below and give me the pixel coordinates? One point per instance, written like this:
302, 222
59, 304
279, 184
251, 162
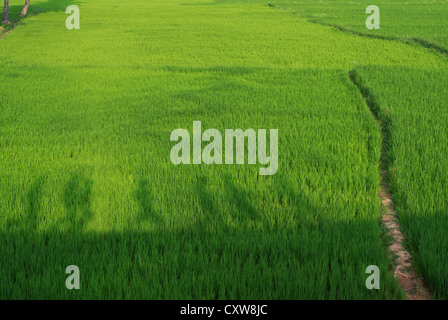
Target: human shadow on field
287, 196
34, 197
77, 200
239, 198
294, 260
32, 208
145, 199
212, 215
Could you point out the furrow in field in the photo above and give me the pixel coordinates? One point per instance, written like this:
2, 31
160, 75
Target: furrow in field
404, 269
411, 104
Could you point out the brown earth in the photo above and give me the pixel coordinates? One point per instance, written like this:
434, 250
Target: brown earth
413, 287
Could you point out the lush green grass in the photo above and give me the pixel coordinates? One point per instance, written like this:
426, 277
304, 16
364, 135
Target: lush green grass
412, 104
86, 177
424, 21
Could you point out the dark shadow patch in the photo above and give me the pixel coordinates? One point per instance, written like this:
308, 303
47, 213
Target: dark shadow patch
32, 207
145, 198
77, 200
34, 196
191, 264
238, 196
212, 215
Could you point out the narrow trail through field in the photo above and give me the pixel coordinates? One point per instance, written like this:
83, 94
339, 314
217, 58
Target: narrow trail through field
412, 285
85, 161
404, 270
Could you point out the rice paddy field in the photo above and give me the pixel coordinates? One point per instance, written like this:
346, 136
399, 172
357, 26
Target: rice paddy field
421, 21
85, 171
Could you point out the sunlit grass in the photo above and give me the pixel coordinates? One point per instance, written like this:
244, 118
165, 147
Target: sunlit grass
86, 177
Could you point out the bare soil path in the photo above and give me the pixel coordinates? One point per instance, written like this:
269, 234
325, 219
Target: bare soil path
412, 285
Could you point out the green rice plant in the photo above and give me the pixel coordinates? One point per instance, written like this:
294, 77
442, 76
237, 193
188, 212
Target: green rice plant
421, 21
86, 176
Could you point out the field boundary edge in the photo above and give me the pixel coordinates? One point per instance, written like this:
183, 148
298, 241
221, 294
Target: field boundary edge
412, 285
